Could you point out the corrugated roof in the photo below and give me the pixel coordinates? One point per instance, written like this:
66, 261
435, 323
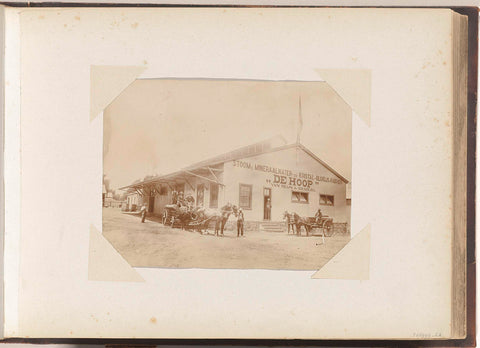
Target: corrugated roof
245, 151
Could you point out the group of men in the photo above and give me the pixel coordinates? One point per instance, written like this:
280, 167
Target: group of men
177, 198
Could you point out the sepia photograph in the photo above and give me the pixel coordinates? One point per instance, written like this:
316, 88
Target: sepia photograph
232, 174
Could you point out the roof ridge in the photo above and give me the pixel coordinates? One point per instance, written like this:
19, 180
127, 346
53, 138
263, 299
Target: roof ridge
237, 152
218, 160
325, 164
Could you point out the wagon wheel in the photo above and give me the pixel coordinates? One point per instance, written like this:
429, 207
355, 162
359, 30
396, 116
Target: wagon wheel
328, 228
173, 220
169, 218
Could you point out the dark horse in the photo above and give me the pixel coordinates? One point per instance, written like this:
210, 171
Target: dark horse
299, 221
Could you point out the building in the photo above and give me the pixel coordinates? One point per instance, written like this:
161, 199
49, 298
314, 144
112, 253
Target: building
134, 200
110, 202
264, 179
104, 194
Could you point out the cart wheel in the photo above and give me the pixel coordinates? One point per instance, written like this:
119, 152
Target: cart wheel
328, 228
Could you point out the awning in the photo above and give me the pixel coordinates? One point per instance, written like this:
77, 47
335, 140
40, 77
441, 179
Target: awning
152, 185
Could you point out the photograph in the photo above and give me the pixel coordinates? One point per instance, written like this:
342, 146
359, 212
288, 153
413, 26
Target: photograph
227, 174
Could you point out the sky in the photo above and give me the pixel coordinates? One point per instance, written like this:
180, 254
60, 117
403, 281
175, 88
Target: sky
157, 126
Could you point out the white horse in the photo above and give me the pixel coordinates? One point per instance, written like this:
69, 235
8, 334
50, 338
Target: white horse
219, 216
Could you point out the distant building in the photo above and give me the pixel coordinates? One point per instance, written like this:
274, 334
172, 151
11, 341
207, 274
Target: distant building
109, 201
104, 193
134, 200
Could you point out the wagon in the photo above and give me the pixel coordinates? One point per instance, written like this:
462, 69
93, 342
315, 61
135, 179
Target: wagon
170, 212
324, 224
177, 215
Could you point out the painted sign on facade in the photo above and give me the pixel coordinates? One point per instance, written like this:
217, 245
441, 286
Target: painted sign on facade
286, 178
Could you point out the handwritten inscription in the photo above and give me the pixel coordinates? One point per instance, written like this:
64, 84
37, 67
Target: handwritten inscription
427, 335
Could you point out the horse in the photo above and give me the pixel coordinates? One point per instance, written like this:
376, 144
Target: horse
299, 221
219, 216
289, 219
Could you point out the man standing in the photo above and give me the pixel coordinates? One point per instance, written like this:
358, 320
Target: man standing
143, 212
268, 209
240, 220
174, 197
180, 199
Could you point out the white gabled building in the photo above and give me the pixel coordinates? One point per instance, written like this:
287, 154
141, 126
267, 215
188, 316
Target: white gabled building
264, 179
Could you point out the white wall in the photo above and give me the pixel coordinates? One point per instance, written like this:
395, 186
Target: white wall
296, 162
136, 199
161, 201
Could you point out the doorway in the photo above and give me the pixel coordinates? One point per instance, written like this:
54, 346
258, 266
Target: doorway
267, 203
151, 203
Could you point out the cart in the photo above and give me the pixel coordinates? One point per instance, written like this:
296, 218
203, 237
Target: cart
177, 215
323, 224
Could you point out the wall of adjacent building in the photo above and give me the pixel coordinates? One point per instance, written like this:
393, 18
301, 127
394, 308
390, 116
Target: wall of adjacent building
134, 199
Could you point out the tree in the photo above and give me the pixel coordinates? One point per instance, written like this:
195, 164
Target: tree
106, 182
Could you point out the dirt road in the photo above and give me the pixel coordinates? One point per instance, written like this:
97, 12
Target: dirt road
151, 244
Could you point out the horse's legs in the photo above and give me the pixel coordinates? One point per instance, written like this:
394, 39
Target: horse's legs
223, 226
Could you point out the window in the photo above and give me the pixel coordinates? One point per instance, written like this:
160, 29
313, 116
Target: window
326, 200
299, 197
213, 196
163, 190
245, 197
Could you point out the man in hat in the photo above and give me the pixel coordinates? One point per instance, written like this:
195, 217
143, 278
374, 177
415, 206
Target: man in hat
174, 197
268, 209
240, 220
143, 211
318, 216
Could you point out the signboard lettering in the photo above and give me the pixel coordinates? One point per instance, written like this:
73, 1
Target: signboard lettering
283, 176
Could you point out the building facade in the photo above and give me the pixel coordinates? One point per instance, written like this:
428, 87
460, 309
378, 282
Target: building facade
263, 179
